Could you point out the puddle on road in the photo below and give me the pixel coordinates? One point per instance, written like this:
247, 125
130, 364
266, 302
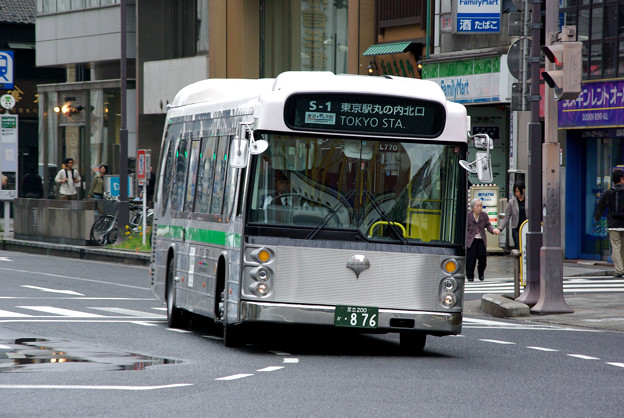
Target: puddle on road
39, 354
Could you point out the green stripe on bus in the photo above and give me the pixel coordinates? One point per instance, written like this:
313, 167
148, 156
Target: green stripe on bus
201, 235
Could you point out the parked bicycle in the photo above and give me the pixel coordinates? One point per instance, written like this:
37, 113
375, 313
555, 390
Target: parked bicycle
105, 229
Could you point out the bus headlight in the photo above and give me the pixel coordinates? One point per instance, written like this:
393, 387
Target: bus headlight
449, 284
450, 266
260, 289
448, 300
261, 274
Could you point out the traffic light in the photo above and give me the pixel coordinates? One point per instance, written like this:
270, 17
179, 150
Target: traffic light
566, 77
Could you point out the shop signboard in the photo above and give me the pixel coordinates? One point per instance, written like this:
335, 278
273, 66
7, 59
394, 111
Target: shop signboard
600, 104
478, 16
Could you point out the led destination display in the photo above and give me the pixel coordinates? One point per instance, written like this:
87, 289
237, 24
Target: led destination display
360, 113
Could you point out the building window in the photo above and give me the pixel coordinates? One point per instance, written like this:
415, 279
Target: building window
600, 26
310, 35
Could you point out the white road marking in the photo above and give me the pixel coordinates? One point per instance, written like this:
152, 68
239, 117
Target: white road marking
9, 314
45, 289
5, 347
582, 356
91, 387
160, 309
542, 349
291, 360
495, 341
128, 312
234, 376
62, 312
270, 369
145, 324
181, 331
5, 259
75, 278
212, 337
279, 353
616, 364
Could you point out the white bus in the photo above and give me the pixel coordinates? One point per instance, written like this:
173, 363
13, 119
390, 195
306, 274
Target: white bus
313, 198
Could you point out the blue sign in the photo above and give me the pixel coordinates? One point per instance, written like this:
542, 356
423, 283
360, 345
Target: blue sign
113, 185
600, 104
478, 16
6, 70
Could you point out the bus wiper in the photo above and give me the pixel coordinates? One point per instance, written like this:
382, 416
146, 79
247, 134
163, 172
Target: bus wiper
332, 212
385, 217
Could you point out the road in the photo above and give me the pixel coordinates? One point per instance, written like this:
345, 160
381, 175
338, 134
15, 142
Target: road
80, 338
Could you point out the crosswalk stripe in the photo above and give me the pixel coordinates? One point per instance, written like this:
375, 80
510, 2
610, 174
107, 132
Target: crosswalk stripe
62, 312
570, 285
9, 314
129, 312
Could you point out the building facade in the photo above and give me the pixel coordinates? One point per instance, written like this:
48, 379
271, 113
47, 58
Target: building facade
81, 118
17, 34
591, 128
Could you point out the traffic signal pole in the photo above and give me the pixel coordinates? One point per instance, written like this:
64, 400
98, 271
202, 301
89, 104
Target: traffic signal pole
551, 298
530, 295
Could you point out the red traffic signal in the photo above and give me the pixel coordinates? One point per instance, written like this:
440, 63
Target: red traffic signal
566, 77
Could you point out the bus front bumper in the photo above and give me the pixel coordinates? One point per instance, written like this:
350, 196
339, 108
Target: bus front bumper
391, 320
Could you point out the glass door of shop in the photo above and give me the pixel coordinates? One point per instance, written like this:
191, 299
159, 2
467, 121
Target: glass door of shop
603, 155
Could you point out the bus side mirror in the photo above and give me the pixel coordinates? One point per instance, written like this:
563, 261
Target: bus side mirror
482, 165
239, 149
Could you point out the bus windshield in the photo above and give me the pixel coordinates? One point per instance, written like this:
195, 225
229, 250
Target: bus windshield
396, 192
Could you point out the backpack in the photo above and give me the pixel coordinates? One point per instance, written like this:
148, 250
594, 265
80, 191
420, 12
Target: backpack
617, 210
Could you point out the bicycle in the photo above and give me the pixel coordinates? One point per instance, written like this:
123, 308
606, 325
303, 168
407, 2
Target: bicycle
105, 229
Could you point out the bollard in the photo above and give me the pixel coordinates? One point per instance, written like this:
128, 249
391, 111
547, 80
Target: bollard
516, 254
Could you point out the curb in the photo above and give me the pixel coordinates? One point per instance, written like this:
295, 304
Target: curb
502, 306
76, 251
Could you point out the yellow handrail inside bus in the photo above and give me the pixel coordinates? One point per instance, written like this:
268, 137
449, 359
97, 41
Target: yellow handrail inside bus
370, 232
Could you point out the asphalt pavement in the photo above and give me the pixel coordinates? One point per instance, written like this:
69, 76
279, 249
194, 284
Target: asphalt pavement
593, 310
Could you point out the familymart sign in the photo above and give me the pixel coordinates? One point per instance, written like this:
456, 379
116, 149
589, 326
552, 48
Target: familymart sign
471, 81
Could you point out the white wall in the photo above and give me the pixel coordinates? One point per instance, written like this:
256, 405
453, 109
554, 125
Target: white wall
83, 36
163, 79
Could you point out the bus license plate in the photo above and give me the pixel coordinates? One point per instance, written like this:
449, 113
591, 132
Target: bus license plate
356, 316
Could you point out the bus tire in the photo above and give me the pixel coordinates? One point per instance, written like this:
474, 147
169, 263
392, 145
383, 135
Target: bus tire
175, 315
413, 342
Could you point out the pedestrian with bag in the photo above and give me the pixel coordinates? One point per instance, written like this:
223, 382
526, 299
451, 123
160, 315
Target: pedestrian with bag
515, 213
613, 199
69, 179
476, 239
97, 185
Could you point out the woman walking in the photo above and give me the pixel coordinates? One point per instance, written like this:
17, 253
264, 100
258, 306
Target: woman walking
97, 185
476, 239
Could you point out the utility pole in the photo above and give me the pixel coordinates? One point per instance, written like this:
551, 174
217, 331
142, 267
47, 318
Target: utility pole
530, 295
551, 298
123, 131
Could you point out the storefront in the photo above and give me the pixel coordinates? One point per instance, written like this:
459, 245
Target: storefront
594, 138
82, 121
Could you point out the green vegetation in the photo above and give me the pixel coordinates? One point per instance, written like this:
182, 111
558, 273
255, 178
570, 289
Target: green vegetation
133, 240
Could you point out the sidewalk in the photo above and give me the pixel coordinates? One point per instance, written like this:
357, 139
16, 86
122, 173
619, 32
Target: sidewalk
599, 311
85, 252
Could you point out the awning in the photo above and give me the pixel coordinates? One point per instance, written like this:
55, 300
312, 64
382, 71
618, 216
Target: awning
389, 48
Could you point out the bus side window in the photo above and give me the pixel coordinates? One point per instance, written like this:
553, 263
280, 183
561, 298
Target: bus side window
230, 187
192, 177
181, 158
219, 177
172, 133
205, 175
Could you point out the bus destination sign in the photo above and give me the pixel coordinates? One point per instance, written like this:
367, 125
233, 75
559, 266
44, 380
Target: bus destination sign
363, 114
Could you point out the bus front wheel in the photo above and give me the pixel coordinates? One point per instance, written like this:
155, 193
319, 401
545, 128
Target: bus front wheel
175, 315
413, 342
